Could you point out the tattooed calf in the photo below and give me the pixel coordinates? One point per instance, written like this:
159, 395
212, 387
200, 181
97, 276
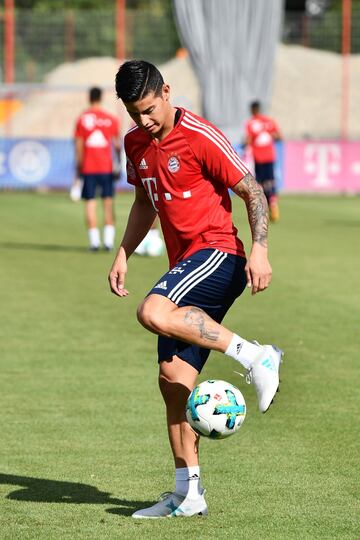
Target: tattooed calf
196, 317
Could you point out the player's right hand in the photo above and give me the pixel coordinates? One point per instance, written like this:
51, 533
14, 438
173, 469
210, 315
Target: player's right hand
117, 276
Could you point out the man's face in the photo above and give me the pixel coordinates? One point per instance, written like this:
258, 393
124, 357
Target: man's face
151, 112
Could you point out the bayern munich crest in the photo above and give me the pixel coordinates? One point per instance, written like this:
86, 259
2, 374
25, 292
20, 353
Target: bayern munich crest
173, 164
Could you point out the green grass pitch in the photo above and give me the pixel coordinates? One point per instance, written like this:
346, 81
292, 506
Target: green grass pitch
83, 441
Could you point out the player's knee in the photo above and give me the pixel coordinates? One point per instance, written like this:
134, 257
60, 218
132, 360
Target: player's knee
150, 317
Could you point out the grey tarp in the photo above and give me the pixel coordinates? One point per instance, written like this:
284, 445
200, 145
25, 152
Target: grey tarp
232, 46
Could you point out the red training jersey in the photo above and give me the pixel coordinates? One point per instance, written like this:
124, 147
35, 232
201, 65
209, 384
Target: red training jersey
97, 129
260, 129
187, 176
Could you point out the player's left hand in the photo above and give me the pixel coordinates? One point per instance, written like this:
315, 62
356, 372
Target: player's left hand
258, 269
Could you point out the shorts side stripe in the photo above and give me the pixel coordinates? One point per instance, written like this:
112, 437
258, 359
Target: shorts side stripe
210, 271
196, 271
199, 277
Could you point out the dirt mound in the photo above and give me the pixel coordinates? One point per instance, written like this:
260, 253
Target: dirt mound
306, 98
51, 111
307, 93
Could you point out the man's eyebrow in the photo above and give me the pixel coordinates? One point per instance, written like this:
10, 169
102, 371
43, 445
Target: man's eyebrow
141, 112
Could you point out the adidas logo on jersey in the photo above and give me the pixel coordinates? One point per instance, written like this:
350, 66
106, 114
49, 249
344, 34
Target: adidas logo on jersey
162, 285
143, 164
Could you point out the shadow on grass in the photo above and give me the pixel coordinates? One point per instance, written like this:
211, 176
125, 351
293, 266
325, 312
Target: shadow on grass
53, 491
32, 246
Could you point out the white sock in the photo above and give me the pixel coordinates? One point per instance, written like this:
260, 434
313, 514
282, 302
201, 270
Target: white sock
109, 236
94, 237
188, 482
243, 351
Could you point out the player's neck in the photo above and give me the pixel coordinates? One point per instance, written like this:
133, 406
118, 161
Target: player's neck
168, 125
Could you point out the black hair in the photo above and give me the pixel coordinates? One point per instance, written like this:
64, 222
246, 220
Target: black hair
136, 79
255, 105
95, 94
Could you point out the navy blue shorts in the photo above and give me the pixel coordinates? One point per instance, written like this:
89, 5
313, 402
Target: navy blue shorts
105, 182
264, 171
210, 280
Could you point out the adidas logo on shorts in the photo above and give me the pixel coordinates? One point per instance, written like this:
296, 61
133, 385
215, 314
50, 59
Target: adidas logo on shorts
161, 285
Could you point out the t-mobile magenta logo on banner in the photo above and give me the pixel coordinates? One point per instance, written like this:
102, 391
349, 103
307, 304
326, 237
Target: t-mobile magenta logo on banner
323, 163
322, 166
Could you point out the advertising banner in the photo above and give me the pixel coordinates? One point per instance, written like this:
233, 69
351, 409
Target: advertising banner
301, 166
39, 163
322, 167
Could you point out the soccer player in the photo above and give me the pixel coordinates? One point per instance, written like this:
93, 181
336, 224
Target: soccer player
181, 167
96, 137
261, 132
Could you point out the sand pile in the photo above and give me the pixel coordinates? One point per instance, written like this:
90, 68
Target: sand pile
52, 111
306, 94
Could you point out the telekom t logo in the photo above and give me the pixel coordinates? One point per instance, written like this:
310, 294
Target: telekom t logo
151, 188
322, 160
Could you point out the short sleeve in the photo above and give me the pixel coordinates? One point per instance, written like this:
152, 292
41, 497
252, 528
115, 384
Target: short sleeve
79, 130
132, 175
274, 127
218, 157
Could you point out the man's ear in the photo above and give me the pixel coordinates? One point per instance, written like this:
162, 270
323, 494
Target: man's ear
166, 92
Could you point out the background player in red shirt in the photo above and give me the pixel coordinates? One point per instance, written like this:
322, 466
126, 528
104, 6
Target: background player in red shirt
182, 168
261, 132
96, 137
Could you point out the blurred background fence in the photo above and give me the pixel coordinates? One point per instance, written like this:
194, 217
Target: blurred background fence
47, 38
321, 32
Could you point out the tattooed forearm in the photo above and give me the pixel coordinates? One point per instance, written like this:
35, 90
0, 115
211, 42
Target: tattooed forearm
257, 208
196, 317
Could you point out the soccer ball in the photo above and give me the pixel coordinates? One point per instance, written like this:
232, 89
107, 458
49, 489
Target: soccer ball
154, 247
215, 409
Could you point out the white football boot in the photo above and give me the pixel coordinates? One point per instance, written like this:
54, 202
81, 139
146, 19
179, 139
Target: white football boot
264, 374
174, 505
